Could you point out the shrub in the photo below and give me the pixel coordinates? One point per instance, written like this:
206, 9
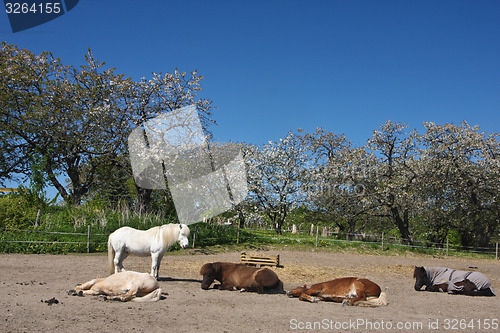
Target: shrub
16, 213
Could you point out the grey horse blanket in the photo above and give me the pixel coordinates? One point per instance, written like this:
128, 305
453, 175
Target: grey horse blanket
439, 275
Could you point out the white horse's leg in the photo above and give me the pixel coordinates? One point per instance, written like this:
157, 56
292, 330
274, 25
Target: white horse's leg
155, 264
118, 261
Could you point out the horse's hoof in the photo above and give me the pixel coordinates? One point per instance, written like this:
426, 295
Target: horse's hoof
71, 292
102, 298
315, 300
345, 302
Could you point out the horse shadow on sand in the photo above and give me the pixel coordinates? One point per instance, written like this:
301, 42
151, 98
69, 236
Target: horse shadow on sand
173, 279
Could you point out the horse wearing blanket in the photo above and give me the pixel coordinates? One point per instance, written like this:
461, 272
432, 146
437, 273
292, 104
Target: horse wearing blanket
123, 286
153, 242
452, 281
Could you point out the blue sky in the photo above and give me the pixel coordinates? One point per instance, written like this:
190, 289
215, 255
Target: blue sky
273, 66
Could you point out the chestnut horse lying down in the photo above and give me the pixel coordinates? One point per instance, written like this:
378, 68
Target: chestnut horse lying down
452, 281
123, 286
241, 277
348, 290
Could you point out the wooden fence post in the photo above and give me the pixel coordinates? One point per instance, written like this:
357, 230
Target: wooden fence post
447, 245
382, 241
317, 234
496, 251
194, 235
88, 239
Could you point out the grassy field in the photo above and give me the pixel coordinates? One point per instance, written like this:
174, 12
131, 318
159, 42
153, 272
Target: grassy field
214, 238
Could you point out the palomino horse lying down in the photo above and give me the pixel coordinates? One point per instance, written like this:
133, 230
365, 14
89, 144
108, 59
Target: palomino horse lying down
348, 290
239, 276
452, 281
153, 242
123, 286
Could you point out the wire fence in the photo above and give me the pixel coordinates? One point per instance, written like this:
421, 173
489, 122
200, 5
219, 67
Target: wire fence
88, 238
331, 238
315, 237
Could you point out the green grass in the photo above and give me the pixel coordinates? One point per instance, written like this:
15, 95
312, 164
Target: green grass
215, 238
64, 230
268, 239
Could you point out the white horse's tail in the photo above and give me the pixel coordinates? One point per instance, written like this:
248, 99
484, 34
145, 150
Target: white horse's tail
381, 300
111, 257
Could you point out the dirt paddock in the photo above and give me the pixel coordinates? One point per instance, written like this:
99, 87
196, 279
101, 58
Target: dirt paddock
33, 297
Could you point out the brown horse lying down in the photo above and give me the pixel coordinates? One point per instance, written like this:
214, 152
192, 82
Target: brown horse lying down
348, 290
452, 281
123, 286
241, 277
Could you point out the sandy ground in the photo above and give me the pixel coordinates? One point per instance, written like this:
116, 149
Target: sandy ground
28, 281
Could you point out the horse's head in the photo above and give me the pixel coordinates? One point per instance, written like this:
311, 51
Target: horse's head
421, 278
297, 291
184, 233
209, 273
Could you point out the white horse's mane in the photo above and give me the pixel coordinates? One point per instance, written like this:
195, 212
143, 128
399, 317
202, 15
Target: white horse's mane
169, 233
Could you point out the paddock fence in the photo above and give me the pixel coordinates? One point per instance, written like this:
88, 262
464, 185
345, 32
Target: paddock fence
92, 242
97, 242
324, 237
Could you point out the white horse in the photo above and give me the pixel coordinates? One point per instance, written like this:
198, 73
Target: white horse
154, 242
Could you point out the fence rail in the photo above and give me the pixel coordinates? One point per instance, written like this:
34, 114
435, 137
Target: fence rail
381, 239
85, 241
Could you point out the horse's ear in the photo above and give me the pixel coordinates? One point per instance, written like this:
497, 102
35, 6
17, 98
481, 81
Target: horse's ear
305, 286
418, 270
180, 226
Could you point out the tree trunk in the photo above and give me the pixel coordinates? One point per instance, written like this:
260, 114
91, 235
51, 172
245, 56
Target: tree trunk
143, 200
242, 218
351, 228
53, 179
402, 224
277, 228
280, 219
